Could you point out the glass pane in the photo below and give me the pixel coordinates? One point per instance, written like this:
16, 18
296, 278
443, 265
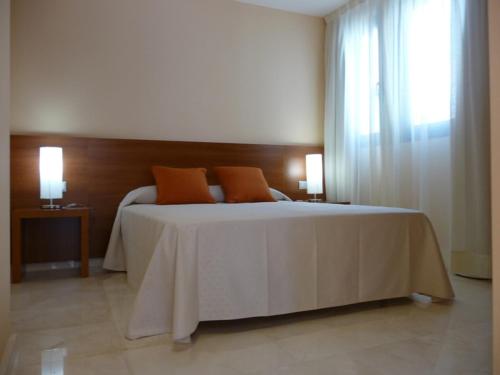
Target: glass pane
429, 60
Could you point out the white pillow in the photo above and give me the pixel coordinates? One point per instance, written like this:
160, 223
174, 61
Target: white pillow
278, 195
148, 194
217, 193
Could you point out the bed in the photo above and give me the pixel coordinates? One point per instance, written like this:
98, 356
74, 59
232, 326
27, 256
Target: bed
203, 262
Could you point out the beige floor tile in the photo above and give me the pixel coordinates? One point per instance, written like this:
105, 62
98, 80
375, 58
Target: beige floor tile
165, 360
294, 328
227, 340
108, 364
343, 339
462, 354
264, 358
78, 341
86, 319
413, 356
335, 365
35, 320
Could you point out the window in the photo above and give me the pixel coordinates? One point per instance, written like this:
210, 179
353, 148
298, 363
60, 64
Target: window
362, 81
429, 63
419, 88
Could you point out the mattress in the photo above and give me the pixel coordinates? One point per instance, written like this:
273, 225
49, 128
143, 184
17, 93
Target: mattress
192, 263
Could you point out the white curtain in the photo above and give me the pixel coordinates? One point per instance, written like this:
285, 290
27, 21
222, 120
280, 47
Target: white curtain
470, 141
391, 82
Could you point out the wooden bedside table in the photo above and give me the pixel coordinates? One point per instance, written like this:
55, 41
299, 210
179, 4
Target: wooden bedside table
37, 213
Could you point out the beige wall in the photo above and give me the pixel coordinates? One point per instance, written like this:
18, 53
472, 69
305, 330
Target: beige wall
4, 175
213, 70
494, 22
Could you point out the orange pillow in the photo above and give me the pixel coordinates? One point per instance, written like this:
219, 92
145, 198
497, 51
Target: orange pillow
181, 185
243, 184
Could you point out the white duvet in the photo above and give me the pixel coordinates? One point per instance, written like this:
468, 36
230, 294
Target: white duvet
193, 263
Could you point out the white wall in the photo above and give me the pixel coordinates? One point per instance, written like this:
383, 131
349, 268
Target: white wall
4, 174
494, 24
212, 70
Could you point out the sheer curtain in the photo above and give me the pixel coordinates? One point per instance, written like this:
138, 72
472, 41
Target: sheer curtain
391, 82
470, 141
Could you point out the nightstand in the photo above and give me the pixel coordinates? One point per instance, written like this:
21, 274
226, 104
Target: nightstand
18, 215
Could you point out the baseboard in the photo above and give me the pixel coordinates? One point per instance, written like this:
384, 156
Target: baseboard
470, 264
68, 265
7, 362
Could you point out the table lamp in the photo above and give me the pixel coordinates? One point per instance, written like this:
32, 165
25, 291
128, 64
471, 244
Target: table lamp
314, 175
51, 175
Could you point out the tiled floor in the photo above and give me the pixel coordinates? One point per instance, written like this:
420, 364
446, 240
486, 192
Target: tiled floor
74, 326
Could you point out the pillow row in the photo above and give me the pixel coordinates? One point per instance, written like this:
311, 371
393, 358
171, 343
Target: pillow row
149, 194
189, 185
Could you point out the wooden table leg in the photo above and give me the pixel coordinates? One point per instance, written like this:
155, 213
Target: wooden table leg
84, 245
16, 263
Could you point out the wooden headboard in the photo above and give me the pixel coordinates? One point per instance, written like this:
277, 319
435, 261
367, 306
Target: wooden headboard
99, 172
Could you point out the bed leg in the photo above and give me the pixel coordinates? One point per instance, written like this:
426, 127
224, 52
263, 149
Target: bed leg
421, 298
185, 340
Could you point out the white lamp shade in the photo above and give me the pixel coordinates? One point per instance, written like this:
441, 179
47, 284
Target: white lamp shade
51, 172
314, 173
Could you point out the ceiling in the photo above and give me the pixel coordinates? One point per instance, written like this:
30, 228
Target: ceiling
319, 8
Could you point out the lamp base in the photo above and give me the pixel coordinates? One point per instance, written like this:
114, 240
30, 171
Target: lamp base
315, 200
50, 206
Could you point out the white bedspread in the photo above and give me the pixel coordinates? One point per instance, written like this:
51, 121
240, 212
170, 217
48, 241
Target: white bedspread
193, 263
